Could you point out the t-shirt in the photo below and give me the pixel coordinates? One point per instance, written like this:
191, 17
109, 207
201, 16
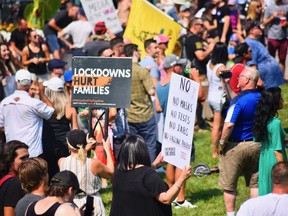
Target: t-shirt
241, 112
270, 204
18, 37
193, 44
149, 62
275, 30
10, 193
134, 193
62, 20
24, 203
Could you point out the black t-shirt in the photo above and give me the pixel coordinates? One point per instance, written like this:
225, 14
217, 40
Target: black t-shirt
10, 193
194, 43
134, 193
18, 37
61, 19
220, 14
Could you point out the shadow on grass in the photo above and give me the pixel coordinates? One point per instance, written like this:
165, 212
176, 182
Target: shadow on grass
204, 195
286, 130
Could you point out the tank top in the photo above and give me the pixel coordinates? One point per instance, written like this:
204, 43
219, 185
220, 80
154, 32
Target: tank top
54, 131
37, 68
89, 183
50, 212
215, 90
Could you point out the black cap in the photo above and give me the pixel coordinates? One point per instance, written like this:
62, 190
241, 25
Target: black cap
250, 24
56, 63
240, 50
66, 178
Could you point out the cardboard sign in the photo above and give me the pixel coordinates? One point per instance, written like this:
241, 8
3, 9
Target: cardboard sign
179, 123
102, 10
101, 82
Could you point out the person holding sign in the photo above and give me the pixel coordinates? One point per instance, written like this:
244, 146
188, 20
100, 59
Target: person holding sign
172, 64
137, 188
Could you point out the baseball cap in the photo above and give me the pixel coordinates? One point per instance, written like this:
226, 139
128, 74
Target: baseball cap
68, 76
23, 77
55, 84
239, 51
250, 24
180, 2
184, 7
100, 28
56, 63
231, 2
66, 178
234, 37
76, 137
172, 60
160, 38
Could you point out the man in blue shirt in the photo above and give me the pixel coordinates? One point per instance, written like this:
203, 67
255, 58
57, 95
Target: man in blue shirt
239, 154
148, 62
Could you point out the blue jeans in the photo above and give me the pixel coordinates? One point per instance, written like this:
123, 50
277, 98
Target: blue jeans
147, 130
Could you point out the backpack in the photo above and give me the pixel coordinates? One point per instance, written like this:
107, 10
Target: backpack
183, 41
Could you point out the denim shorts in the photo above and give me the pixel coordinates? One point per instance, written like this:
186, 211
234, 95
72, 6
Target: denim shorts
54, 43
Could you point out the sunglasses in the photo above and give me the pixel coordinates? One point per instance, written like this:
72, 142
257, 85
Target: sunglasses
35, 36
201, 24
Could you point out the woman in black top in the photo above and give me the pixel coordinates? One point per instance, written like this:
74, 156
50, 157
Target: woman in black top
35, 55
137, 188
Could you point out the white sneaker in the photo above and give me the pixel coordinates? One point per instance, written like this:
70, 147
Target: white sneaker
186, 204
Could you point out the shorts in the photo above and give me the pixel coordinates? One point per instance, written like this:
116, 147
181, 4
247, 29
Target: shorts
239, 159
215, 106
54, 43
39, 77
280, 45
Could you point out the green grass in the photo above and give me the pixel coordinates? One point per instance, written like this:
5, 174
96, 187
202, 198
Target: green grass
205, 192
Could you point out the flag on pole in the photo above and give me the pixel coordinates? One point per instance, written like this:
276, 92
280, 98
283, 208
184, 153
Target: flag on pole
146, 21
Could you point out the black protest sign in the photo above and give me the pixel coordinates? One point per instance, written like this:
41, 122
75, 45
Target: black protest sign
101, 82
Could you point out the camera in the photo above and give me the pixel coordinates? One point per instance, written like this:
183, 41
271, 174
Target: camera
225, 74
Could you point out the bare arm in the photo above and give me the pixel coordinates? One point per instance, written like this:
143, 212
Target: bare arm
279, 156
98, 168
158, 107
8, 211
168, 196
25, 60
268, 20
201, 55
227, 130
52, 24
47, 54
225, 28
14, 48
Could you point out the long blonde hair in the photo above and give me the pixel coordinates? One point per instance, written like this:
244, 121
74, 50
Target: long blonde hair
251, 13
59, 100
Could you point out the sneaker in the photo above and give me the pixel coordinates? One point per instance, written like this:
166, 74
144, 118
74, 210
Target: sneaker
186, 204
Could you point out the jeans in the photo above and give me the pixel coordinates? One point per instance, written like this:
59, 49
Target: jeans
147, 130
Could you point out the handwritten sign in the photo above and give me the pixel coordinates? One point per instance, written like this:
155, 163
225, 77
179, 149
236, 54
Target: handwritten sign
101, 82
179, 123
102, 10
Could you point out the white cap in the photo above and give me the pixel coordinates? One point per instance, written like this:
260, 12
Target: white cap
55, 84
23, 77
231, 2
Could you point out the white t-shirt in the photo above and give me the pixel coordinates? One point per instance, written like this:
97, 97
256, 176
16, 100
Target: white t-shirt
270, 204
80, 31
22, 119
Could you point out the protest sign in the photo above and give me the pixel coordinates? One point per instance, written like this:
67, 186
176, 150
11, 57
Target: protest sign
101, 82
179, 123
146, 21
102, 10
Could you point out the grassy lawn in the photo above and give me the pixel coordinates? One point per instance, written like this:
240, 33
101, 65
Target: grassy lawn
205, 192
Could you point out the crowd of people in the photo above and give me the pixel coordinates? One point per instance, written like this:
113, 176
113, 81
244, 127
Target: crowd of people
51, 165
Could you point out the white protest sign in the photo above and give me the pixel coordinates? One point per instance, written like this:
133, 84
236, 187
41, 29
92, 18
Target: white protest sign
102, 10
179, 123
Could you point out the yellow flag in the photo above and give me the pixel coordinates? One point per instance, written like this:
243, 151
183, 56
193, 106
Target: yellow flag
146, 21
